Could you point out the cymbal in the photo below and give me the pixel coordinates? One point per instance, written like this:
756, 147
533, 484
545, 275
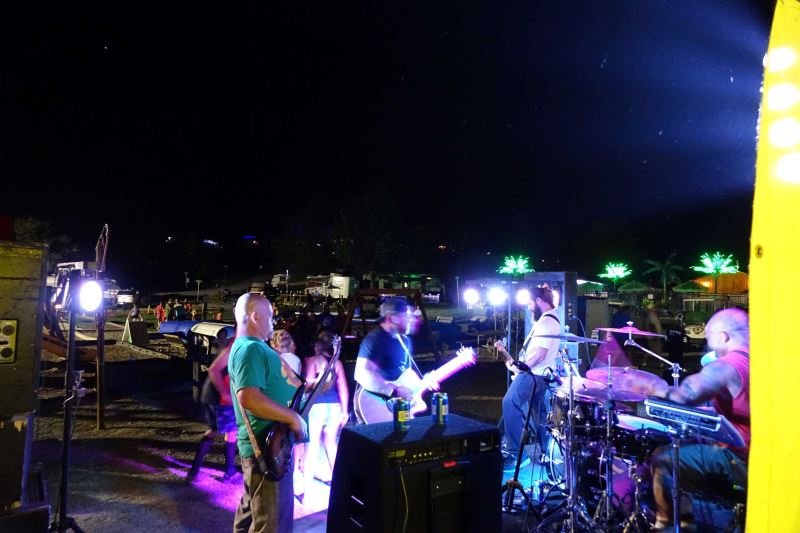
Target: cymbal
626, 378
630, 330
569, 337
613, 394
579, 384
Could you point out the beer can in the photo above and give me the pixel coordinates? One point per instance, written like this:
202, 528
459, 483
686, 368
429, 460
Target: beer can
443, 409
435, 406
402, 414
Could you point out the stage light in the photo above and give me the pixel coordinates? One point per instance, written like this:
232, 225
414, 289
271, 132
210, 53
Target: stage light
779, 59
784, 133
782, 97
90, 295
523, 296
471, 296
788, 168
497, 296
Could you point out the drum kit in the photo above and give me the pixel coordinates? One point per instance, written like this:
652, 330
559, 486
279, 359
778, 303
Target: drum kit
600, 447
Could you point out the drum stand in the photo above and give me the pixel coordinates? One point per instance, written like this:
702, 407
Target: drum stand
606, 502
571, 510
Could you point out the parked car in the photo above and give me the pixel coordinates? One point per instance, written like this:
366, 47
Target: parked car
125, 299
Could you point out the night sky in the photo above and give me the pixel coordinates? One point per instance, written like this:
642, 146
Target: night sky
571, 132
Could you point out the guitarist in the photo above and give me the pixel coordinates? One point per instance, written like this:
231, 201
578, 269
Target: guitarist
385, 352
263, 384
539, 355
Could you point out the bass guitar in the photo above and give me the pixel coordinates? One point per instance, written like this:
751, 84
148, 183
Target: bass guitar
277, 453
371, 407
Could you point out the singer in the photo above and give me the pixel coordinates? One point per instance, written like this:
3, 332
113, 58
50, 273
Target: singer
539, 354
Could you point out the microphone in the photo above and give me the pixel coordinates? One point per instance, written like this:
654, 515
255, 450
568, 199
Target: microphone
555, 378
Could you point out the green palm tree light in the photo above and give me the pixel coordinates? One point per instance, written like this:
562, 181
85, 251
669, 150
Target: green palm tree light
615, 272
716, 264
512, 265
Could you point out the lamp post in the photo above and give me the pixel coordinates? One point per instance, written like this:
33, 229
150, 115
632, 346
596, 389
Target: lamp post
458, 295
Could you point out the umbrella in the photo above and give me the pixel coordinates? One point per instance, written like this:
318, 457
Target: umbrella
690, 286
635, 286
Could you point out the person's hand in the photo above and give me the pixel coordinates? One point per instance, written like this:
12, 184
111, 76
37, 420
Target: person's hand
225, 398
403, 392
500, 346
430, 383
512, 367
298, 427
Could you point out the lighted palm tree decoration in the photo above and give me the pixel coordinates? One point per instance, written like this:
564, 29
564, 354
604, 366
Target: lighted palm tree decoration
615, 272
666, 269
716, 264
513, 266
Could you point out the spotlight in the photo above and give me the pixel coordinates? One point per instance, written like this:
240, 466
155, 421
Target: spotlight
90, 295
523, 296
788, 168
779, 59
782, 97
497, 296
471, 296
785, 133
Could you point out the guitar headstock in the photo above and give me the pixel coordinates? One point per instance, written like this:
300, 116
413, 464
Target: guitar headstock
466, 356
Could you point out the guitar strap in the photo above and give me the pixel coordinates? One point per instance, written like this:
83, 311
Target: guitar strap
262, 464
408, 353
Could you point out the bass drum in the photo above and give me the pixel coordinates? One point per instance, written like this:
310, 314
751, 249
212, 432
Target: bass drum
591, 478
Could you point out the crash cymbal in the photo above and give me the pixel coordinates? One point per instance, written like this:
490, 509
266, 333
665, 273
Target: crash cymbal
630, 330
569, 337
627, 379
613, 394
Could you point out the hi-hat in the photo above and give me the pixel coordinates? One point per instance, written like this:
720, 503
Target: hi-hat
569, 337
626, 378
612, 394
630, 330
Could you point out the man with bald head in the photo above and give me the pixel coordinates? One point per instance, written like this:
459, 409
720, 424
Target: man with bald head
724, 382
264, 386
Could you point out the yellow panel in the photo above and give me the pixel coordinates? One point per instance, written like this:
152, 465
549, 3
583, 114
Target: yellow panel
774, 475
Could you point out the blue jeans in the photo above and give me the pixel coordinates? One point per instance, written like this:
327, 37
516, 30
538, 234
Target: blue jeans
515, 409
703, 468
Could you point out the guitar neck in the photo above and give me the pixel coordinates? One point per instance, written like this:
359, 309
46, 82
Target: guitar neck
448, 369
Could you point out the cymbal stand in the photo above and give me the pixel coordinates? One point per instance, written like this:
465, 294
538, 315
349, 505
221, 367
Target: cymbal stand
571, 508
606, 499
676, 368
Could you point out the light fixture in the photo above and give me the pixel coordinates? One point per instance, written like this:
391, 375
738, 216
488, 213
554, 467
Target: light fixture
471, 296
90, 295
523, 296
497, 296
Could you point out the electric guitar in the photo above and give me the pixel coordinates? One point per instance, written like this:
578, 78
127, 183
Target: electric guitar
520, 364
277, 453
372, 407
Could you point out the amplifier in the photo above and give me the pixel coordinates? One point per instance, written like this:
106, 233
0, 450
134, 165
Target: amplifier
430, 478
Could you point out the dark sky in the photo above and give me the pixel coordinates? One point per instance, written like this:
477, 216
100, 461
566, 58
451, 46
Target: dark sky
573, 131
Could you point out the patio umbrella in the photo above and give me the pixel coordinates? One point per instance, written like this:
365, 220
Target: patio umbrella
690, 286
635, 286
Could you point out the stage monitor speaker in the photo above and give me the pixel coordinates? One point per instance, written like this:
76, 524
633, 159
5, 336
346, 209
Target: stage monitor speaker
433, 478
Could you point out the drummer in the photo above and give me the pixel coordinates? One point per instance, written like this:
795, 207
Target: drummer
726, 382
540, 356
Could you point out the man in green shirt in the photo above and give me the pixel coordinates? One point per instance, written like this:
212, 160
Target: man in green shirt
264, 387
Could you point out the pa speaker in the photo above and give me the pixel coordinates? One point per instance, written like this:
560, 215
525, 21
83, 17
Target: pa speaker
431, 478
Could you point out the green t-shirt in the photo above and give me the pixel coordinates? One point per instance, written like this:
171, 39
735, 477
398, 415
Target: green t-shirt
253, 363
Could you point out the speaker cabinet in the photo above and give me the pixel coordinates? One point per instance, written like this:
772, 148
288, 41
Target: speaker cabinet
431, 478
